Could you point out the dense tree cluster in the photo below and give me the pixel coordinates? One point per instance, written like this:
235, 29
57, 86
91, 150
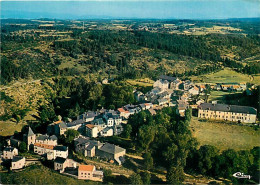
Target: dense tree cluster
167, 136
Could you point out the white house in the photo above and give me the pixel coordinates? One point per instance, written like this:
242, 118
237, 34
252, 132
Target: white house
91, 130
18, 162
10, 152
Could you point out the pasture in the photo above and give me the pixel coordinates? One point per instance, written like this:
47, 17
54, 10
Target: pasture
224, 135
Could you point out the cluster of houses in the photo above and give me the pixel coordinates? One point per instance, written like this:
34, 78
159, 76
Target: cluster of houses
167, 91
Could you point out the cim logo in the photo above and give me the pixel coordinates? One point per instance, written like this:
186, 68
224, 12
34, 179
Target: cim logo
241, 175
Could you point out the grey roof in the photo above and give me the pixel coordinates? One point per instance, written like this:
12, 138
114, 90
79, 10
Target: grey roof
90, 146
106, 129
74, 123
46, 137
98, 121
9, 149
59, 160
81, 140
61, 148
169, 78
30, 132
142, 105
63, 125
111, 148
17, 158
228, 108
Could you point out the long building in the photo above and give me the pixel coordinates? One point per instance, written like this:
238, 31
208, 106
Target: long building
243, 114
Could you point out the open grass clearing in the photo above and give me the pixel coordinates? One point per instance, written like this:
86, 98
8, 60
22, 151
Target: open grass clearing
224, 136
226, 75
7, 128
39, 174
141, 82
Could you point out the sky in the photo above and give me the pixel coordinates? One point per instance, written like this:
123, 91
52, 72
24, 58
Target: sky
107, 9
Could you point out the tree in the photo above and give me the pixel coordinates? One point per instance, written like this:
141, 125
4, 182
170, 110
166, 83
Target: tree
127, 131
136, 179
70, 135
175, 175
22, 147
148, 161
170, 153
146, 135
146, 177
206, 158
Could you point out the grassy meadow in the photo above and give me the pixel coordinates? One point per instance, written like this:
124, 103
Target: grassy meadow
225, 136
38, 174
225, 76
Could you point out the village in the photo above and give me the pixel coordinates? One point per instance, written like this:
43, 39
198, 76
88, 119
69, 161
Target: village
167, 92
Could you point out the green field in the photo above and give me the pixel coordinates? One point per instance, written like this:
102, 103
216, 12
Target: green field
225, 136
225, 76
220, 95
38, 174
141, 82
7, 128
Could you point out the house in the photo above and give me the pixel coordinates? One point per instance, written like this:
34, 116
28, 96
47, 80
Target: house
112, 119
162, 101
88, 116
108, 131
75, 125
18, 162
60, 128
181, 107
13, 142
42, 149
45, 139
152, 111
194, 90
105, 81
60, 164
51, 127
118, 129
91, 130
111, 152
139, 96
124, 113
86, 146
10, 152
162, 84
89, 172
243, 114
59, 151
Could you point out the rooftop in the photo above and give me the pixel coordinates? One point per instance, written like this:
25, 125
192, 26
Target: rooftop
61, 148
228, 108
169, 78
17, 158
59, 160
86, 168
90, 126
44, 146
111, 148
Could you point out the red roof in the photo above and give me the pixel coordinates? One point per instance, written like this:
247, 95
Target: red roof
90, 126
121, 110
86, 168
57, 122
44, 146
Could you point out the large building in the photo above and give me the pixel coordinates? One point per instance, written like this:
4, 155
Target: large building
243, 114
89, 172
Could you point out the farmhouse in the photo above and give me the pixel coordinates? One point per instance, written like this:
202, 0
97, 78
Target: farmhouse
10, 152
111, 151
18, 162
89, 172
62, 163
235, 113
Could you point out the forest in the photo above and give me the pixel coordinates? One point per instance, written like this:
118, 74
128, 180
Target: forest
128, 54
